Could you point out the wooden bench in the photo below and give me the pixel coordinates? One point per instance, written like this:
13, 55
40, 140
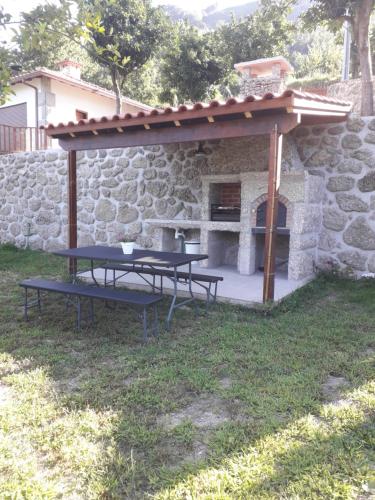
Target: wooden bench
70, 290
199, 279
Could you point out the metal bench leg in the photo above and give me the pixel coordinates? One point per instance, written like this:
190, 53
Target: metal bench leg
78, 312
156, 321
25, 315
144, 324
195, 305
39, 302
208, 291
92, 310
105, 278
215, 292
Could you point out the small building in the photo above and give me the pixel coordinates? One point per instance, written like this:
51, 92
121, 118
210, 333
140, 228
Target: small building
46, 96
207, 173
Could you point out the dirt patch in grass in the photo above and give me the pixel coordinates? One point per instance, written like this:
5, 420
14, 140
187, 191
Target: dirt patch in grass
5, 395
333, 387
205, 412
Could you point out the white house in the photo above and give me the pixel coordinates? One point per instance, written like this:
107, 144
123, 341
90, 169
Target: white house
45, 96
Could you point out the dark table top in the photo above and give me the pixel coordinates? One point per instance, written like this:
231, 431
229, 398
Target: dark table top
139, 257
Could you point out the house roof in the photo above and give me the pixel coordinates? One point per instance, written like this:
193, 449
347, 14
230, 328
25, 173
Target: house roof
263, 65
291, 101
69, 80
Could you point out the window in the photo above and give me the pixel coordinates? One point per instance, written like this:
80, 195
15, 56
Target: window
81, 115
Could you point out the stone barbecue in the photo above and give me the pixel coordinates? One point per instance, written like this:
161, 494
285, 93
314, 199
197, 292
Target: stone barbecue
328, 188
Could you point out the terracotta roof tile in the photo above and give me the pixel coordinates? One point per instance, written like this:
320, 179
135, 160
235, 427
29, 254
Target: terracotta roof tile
184, 108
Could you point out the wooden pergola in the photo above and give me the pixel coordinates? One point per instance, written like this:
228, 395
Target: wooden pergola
272, 115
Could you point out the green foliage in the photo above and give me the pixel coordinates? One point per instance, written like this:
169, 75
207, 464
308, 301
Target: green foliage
43, 32
266, 33
121, 35
190, 67
316, 53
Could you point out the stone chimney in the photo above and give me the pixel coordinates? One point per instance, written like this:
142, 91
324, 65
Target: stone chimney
263, 75
70, 68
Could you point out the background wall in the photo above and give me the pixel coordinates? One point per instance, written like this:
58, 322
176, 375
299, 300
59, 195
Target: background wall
349, 90
118, 189
344, 157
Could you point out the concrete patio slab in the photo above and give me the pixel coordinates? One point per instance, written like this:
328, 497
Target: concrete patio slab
236, 288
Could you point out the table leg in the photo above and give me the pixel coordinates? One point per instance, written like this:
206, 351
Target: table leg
172, 306
93, 274
191, 292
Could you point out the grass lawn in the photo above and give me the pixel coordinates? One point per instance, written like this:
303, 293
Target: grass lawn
239, 404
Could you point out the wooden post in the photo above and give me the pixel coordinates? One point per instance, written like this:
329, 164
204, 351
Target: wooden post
274, 169
72, 207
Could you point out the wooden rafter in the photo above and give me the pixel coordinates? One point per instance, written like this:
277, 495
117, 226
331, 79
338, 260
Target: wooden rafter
188, 133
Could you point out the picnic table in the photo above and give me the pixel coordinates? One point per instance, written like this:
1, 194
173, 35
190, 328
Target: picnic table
141, 259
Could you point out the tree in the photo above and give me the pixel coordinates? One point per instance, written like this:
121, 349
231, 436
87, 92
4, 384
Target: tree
266, 33
190, 67
122, 35
358, 13
316, 55
42, 35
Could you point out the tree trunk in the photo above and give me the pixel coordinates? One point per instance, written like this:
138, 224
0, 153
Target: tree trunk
361, 21
116, 89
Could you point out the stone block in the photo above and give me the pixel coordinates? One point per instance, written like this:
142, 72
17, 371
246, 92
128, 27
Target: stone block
340, 183
370, 138
351, 141
334, 219
126, 193
139, 162
127, 214
105, 211
355, 123
157, 188
349, 166
306, 219
360, 234
301, 265
326, 241
351, 203
353, 259
367, 183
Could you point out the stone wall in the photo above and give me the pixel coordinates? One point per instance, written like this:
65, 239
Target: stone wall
343, 156
349, 90
118, 189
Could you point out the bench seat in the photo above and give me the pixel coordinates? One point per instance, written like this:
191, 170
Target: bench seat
132, 298
169, 273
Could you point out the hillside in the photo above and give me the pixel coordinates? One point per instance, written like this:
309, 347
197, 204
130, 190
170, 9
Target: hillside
210, 18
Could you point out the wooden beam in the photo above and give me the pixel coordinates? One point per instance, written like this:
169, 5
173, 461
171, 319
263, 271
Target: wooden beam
247, 114
120, 129
279, 104
177, 123
274, 171
210, 119
187, 133
95, 132
147, 126
72, 207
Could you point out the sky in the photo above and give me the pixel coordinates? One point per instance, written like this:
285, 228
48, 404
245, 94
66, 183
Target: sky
14, 7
